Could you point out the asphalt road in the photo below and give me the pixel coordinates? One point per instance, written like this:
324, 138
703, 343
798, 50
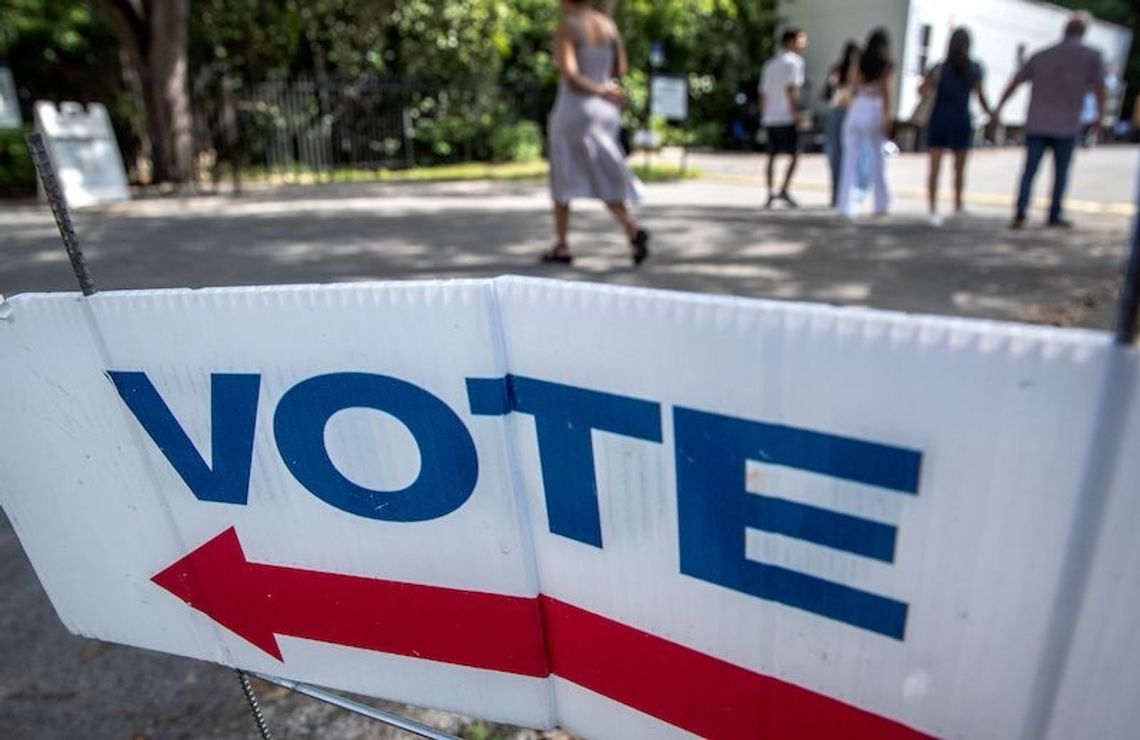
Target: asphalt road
710, 235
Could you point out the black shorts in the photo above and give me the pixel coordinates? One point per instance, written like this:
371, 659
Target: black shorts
783, 139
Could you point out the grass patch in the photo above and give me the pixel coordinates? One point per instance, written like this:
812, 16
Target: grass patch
664, 172
505, 172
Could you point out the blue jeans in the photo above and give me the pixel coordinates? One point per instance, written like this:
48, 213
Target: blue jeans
1035, 147
833, 146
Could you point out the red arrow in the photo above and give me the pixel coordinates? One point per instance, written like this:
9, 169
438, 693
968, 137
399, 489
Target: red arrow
697, 692
257, 602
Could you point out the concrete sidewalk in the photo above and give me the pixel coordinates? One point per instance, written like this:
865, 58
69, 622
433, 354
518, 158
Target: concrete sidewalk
1102, 179
709, 236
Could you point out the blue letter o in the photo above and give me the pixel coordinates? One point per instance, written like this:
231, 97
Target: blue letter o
449, 466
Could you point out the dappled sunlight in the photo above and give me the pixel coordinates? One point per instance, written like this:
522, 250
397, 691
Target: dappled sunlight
727, 270
842, 293
720, 242
994, 305
47, 256
772, 249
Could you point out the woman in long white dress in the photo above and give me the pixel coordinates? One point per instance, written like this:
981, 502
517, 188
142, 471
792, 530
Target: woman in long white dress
868, 124
586, 160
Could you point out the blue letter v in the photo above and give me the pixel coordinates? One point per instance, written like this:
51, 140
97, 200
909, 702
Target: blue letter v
233, 409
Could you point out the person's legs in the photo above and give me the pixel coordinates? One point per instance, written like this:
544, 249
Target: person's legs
1034, 149
834, 144
624, 217
960, 158
784, 195
935, 170
771, 171
879, 172
1062, 159
561, 226
852, 145
790, 145
638, 238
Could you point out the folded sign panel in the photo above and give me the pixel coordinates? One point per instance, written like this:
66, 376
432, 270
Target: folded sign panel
626, 512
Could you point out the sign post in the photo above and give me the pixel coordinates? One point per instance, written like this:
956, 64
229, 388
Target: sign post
1128, 315
670, 96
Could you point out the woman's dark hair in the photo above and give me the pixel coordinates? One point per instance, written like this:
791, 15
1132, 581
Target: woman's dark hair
958, 53
876, 59
839, 72
791, 33
843, 66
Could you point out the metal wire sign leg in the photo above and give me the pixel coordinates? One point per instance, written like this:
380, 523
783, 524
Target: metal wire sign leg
254, 706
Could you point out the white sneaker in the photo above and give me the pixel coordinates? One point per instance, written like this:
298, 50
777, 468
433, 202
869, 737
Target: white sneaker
935, 220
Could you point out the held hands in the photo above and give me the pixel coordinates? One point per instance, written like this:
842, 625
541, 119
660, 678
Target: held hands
613, 93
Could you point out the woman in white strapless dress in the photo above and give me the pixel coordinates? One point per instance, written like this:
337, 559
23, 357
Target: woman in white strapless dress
586, 160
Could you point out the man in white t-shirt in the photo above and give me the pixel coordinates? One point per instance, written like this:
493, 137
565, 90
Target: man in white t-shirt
780, 87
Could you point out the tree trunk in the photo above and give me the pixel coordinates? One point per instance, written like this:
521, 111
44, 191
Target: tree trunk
168, 91
154, 37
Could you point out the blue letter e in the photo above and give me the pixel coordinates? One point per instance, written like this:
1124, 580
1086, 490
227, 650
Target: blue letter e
715, 509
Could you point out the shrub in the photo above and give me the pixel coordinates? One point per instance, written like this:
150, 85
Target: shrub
516, 142
17, 173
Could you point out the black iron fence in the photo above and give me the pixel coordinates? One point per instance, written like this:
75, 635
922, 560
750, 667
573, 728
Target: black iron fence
335, 126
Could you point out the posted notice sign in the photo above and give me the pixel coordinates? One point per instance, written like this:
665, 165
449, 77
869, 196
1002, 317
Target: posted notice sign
670, 97
84, 152
9, 102
626, 512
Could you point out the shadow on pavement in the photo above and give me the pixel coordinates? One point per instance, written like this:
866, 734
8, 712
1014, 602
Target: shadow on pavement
972, 266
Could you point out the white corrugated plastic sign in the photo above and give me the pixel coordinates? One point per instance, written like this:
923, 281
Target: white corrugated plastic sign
626, 512
84, 152
9, 102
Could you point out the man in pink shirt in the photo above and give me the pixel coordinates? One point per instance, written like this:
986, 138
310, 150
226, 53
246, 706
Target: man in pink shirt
1061, 76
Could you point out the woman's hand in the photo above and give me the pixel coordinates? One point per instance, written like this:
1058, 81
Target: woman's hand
613, 93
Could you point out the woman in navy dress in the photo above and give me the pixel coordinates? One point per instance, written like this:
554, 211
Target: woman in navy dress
951, 127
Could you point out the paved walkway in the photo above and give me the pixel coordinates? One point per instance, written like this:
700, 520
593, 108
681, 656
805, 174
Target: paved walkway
1101, 182
710, 235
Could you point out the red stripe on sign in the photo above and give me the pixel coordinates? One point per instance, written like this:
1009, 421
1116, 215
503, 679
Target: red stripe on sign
258, 602
694, 691
512, 634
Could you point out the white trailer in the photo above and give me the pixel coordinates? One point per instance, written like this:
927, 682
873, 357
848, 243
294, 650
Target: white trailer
1005, 33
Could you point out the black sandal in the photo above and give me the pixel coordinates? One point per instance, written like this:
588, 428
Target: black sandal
557, 255
640, 244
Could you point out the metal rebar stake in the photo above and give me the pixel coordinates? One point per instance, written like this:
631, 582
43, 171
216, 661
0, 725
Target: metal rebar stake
254, 706
58, 204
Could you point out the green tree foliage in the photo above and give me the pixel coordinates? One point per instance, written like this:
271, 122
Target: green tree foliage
494, 54
720, 45
53, 47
